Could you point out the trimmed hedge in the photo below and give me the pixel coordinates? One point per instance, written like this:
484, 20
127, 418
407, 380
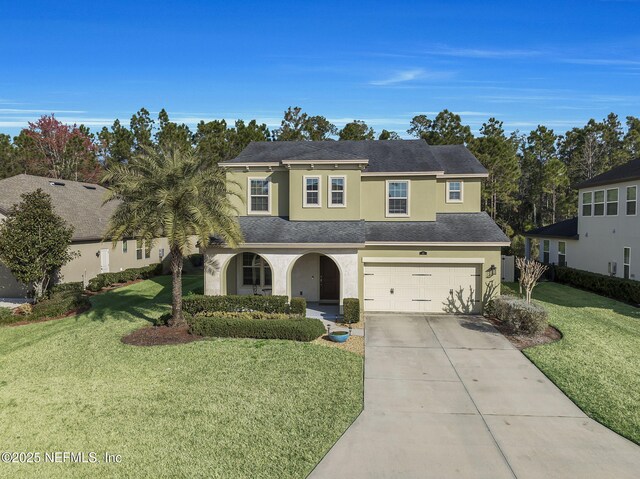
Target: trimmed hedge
521, 317
7, 316
351, 310
197, 303
626, 290
104, 280
243, 325
58, 304
75, 286
298, 306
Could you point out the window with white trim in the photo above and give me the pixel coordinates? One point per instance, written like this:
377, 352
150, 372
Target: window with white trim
337, 191
562, 253
632, 200
545, 251
598, 203
587, 200
139, 247
626, 261
612, 202
311, 191
454, 191
125, 246
255, 270
259, 197
398, 198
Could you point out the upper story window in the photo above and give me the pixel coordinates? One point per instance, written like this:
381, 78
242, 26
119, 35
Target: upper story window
545, 251
139, 248
259, 195
337, 191
125, 246
398, 198
562, 253
612, 202
631, 200
598, 203
311, 191
587, 200
454, 191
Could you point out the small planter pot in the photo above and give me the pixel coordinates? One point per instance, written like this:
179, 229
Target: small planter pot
339, 336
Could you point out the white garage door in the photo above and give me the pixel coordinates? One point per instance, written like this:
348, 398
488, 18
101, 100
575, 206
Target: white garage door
422, 288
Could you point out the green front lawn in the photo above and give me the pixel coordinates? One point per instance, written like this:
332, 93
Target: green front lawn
597, 362
216, 408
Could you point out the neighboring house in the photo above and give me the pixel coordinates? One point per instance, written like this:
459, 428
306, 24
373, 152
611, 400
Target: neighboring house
605, 237
397, 224
81, 206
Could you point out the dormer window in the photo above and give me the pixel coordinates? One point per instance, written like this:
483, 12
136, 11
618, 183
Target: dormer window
259, 196
311, 191
454, 191
398, 198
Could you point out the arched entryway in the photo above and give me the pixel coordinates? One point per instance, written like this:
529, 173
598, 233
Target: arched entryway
317, 278
248, 273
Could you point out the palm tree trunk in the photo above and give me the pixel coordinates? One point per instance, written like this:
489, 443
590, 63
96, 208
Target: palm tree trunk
177, 318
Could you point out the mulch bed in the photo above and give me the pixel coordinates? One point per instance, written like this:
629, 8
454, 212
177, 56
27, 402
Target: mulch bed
160, 336
549, 335
73, 312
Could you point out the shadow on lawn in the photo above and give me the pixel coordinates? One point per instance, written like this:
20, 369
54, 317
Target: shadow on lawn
142, 300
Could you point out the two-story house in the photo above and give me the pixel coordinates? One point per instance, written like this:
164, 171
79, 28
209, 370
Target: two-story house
397, 224
605, 235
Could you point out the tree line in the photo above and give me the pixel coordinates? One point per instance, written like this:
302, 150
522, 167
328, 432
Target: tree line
530, 175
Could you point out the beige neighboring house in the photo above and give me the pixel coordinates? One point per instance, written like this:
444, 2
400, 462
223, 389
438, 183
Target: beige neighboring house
605, 236
397, 224
81, 206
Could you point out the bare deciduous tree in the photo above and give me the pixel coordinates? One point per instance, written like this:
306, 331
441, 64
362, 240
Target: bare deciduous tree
530, 273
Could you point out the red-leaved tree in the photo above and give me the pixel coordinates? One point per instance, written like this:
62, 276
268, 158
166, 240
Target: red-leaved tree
52, 148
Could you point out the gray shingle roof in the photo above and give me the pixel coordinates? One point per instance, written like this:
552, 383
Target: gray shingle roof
448, 228
274, 229
561, 229
627, 172
383, 156
79, 204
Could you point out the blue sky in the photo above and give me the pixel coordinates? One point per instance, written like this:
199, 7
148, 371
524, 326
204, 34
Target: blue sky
556, 63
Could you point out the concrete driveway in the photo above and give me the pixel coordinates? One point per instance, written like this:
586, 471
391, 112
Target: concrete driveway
448, 396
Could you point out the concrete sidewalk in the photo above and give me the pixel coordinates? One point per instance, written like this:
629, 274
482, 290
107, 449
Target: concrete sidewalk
448, 396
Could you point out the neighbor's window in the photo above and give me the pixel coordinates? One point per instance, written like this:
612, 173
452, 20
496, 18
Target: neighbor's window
139, 245
587, 199
562, 253
397, 198
125, 246
598, 203
311, 191
612, 202
454, 191
631, 200
147, 250
626, 261
255, 270
337, 191
545, 251
258, 195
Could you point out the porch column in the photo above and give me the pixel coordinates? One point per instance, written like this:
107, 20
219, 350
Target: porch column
348, 265
213, 278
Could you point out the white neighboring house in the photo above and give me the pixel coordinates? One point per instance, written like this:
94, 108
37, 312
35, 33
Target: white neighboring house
605, 236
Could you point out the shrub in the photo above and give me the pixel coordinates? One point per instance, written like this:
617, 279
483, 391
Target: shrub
196, 259
298, 306
243, 325
7, 316
104, 280
197, 303
58, 304
76, 286
626, 290
520, 317
23, 310
351, 310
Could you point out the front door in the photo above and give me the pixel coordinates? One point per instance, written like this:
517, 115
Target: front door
329, 280
104, 260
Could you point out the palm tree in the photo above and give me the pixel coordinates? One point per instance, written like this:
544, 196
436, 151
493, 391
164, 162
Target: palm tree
175, 193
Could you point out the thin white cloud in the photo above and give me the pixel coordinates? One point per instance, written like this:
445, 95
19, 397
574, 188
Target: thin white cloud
603, 61
401, 77
482, 53
40, 110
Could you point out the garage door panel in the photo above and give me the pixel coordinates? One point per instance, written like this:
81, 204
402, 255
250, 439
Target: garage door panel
419, 288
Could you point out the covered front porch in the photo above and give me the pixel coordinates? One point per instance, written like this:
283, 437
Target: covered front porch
323, 277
